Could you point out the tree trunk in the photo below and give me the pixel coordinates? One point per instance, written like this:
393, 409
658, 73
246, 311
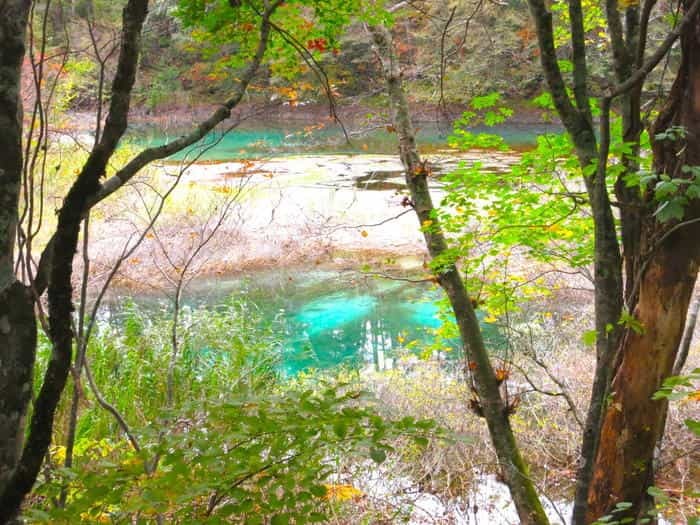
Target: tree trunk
17, 321
65, 242
17, 352
514, 468
632, 420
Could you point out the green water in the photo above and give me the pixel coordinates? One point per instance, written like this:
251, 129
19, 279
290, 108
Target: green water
273, 139
325, 319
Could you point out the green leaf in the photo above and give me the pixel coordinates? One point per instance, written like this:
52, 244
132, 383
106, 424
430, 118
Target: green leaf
421, 441
378, 455
693, 425
544, 101
341, 429
589, 337
485, 101
566, 66
318, 490
280, 519
659, 495
630, 321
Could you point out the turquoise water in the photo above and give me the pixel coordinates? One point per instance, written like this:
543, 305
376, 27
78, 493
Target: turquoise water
325, 319
273, 139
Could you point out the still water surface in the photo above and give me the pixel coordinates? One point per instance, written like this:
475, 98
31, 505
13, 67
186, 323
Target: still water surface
327, 318
251, 140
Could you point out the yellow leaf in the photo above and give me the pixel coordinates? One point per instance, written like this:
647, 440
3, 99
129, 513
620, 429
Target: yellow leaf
502, 374
364, 233
695, 396
58, 453
343, 492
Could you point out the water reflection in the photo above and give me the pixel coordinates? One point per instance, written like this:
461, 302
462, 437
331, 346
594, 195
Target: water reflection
290, 137
325, 319
367, 323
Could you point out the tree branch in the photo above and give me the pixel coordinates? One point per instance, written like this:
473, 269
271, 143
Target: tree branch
641, 73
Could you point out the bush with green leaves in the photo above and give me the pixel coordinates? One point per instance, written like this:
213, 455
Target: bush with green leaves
236, 460
236, 444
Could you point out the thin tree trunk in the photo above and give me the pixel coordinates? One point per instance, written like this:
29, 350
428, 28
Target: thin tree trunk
514, 469
633, 421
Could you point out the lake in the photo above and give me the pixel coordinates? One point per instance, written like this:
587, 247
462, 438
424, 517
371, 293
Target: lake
264, 139
324, 319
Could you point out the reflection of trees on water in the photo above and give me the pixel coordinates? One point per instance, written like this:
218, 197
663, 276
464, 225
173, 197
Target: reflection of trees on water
372, 339
321, 321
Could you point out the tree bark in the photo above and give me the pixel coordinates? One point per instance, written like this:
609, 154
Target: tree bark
608, 282
17, 354
17, 321
65, 244
514, 468
13, 28
632, 420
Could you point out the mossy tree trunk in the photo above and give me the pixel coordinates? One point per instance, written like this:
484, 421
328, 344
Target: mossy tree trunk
512, 464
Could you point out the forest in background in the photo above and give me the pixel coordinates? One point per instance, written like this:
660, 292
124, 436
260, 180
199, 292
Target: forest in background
183, 69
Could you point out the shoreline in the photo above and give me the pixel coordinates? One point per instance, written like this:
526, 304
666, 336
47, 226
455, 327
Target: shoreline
178, 115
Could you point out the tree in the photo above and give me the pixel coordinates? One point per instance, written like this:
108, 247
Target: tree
490, 402
20, 459
277, 31
643, 286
